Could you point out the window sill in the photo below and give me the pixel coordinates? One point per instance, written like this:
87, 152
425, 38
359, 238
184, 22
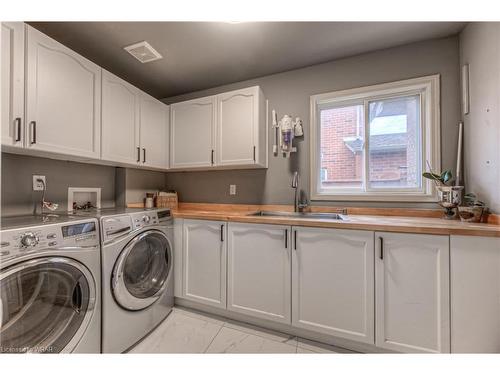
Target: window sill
383, 197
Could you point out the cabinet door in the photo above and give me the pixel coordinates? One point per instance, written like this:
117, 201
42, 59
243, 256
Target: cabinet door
204, 262
154, 132
63, 99
192, 132
412, 292
120, 120
333, 281
259, 269
475, 294
237, 127
13, 84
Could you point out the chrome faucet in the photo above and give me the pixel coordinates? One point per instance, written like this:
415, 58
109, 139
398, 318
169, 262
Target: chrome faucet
295, 185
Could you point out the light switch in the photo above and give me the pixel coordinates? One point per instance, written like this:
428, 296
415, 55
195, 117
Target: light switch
232, 189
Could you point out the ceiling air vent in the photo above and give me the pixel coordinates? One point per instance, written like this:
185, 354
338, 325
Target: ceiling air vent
143, 52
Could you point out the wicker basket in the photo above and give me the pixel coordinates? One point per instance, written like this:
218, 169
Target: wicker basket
167, 200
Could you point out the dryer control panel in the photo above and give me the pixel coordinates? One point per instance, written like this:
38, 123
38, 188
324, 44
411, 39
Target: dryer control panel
61, 236
114, 227
144, 219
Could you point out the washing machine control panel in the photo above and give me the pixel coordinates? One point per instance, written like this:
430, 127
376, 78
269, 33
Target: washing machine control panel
49, 237
144, 219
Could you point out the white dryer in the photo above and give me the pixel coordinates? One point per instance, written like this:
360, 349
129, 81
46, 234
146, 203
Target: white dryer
137, 275
50, 285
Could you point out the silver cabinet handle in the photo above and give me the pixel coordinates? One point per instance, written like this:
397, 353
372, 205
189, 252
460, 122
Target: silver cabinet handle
33, 132
143, 155
381, 240
138, 154
18, 129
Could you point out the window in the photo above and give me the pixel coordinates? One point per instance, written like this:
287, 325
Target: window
372, 143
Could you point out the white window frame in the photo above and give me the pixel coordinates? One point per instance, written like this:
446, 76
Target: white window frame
428, 88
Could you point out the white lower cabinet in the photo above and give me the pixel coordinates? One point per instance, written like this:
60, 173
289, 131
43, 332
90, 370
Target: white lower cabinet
412, 292
391, 290
475, 294
204, 262
259, 270
332, 282
178, 272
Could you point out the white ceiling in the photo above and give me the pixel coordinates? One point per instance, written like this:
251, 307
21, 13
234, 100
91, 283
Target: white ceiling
200, 55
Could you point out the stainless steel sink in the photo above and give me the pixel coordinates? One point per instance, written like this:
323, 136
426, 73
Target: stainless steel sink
301, 215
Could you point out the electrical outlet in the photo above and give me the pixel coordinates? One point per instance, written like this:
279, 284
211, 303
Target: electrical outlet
37, 185
232, 189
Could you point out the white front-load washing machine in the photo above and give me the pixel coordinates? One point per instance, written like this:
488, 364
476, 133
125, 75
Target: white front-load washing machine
137, 274
50, 291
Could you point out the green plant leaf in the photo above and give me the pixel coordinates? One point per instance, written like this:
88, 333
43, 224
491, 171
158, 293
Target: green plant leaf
431, 176
446, 176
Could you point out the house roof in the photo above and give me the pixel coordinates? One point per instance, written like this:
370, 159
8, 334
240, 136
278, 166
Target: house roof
379, 143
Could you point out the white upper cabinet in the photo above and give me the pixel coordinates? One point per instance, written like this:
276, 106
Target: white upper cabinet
258, 271
13, 84
412, 292
120, 120
333, 282
192, 125
224, 131
241, 130
63, 99
154, 133
204, 262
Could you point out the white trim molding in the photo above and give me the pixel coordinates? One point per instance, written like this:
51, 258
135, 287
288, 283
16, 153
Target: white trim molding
428, 89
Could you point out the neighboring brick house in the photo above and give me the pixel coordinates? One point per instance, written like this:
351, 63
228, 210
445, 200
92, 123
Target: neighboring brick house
392, 155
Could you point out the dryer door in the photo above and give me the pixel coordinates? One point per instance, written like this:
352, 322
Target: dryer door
141, 271
46, 305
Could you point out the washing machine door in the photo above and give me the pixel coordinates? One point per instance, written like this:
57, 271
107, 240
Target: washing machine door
46, 305
141, 271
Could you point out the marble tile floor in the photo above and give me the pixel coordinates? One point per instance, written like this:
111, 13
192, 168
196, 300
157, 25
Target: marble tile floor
188, 331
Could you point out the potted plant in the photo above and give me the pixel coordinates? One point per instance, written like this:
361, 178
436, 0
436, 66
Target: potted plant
449, 196
472, 210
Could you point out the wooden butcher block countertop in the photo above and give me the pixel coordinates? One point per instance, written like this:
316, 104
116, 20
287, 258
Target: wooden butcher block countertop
375, 219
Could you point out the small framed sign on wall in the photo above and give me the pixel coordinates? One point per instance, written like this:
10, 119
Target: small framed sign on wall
465, 89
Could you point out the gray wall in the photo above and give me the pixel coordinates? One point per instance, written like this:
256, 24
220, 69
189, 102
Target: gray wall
18, 197
289, 93
480, 48
133, 184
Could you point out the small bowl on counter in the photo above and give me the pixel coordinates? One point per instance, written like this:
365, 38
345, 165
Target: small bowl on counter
471, 214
